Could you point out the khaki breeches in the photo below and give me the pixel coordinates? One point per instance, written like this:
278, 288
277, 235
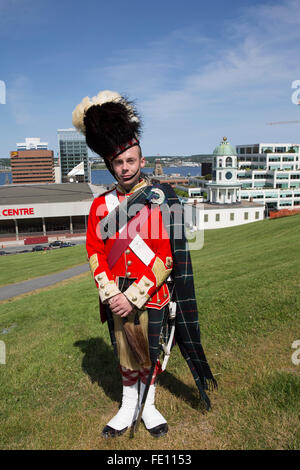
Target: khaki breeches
124, 352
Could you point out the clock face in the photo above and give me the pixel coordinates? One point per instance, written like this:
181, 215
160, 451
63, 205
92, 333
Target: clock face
228, 175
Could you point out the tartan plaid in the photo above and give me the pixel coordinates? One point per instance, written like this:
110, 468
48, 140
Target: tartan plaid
187, 329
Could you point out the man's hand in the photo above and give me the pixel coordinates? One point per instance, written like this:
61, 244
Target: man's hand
120, 305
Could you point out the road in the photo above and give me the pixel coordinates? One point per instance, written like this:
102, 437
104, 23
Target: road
13, 290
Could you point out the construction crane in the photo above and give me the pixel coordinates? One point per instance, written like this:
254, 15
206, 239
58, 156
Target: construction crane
282, 122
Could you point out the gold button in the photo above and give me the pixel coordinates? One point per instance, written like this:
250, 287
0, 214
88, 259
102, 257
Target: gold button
159, 301
134, 299
165, 296
128, 274
106, 293
147, 284
127, 252
129, 263
142, 292
102, 286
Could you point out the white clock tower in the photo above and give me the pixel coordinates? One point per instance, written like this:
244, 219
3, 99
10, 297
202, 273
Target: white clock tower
224, 187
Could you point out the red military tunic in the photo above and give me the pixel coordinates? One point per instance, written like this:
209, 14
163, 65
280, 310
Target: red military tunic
147, 260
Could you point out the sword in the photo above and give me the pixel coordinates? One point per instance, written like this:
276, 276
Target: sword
135, 424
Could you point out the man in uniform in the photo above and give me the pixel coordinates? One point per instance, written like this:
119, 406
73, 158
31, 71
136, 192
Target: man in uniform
132, 261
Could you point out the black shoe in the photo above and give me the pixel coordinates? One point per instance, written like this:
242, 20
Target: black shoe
111, 432
159, 431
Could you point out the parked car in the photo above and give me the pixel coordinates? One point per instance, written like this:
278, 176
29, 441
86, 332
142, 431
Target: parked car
38, 248
2, 253
66, 244
55, 243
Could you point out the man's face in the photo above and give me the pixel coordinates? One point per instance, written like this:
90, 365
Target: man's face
127, 167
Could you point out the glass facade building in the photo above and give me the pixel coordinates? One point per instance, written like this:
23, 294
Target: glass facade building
72, 151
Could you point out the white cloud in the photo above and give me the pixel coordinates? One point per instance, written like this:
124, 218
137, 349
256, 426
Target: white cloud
253, 73
240, 76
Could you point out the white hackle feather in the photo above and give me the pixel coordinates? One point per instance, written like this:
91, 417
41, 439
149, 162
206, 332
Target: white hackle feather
102, 97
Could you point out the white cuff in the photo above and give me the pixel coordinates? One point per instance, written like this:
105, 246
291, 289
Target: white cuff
107, 289
137, 294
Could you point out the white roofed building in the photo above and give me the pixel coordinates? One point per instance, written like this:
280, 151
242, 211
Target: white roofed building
32, 143
45, 210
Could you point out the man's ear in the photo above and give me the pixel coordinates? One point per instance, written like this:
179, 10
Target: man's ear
143, 162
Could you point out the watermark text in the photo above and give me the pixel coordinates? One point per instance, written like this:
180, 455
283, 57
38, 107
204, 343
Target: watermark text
296, 94
177, 222
296, 355
2, 353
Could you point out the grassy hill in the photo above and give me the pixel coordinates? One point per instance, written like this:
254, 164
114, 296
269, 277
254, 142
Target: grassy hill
61, 384
24, 266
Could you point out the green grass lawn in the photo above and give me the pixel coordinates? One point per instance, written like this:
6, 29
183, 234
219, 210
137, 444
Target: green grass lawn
60, 384
24, 266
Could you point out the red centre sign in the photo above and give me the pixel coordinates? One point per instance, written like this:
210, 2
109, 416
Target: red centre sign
21, 211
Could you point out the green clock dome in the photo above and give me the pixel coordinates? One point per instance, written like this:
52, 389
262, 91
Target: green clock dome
225, 149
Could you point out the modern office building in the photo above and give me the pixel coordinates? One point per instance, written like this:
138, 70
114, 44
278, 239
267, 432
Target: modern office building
270, 173
72, 152
32, 163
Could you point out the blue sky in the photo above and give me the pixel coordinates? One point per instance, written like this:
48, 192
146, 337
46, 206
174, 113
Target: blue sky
197, 70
